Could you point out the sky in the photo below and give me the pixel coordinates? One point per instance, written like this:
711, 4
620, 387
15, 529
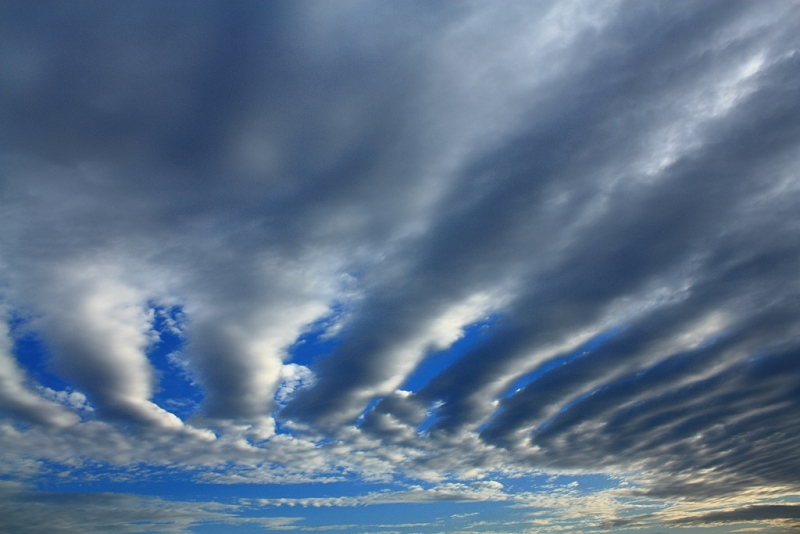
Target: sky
400, 266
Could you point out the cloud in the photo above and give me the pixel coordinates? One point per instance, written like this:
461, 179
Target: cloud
456, 492
609, 189
34, 512
18, 399
789, 513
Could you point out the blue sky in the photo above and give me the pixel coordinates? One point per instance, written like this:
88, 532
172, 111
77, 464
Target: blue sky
362, 266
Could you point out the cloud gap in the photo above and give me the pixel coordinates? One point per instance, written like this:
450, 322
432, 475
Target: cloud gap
320, 338
433, 364
176, 389
594, 343
32, 353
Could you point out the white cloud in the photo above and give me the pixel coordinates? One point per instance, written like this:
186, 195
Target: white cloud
74, 399
100, 329
293, 377
414, 494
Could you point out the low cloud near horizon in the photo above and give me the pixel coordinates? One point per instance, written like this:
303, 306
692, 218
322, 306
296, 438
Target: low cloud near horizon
426, 249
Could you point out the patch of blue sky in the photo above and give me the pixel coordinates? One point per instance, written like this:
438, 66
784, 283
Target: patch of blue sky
172, 485
594, 343
441, 516
430, 420
585, 483
176, 391
433, 364
374, 402
246, 528
416, 517
100, 477
32, 353
317, 341
530, 481
178, 484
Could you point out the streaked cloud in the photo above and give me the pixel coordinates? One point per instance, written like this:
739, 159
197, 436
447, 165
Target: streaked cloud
403, 248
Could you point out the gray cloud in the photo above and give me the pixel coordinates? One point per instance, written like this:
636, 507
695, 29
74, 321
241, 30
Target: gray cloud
615, 185
747, 514
34, 512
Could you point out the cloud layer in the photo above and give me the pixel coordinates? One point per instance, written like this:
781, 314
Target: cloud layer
524, 237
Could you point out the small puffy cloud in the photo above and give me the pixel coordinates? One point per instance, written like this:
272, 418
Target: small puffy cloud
293, 377
74, 399
450, 492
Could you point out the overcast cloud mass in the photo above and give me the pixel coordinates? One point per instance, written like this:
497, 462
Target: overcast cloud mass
400, 266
